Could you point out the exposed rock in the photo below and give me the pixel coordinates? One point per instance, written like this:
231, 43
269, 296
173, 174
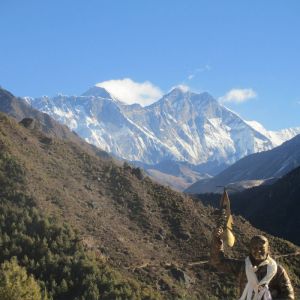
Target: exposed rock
180, 275
28, 123
184, 235
138, 173
46, 140
163, 285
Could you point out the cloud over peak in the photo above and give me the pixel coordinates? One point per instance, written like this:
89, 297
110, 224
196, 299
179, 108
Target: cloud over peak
238, 95
183, 87
129, 91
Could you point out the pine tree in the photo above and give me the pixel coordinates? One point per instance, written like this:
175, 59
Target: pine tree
15, 284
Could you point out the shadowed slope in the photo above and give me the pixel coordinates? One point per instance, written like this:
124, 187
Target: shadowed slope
273, 208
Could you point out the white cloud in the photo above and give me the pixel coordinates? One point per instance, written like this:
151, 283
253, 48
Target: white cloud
193, 74
238, 95
183, 87
207, 67
131, 92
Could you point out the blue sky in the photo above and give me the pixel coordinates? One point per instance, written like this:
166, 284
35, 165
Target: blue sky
232, 49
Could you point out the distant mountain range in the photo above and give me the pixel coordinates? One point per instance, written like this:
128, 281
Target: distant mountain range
182, 127
254, 169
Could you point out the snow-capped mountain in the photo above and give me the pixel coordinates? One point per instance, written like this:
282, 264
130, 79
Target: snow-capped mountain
181, 126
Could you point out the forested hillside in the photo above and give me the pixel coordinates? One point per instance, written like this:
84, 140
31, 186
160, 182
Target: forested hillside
53, 253
86, 228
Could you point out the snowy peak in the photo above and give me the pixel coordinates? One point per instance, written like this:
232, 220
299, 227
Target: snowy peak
179, 94
257, 126
97, 91
181, 126
185, 105
173, 96
276, 137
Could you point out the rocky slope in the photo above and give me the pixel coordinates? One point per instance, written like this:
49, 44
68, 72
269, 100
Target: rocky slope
146, 231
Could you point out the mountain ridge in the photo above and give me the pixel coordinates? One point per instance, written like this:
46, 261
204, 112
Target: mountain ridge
182, 126
265, 165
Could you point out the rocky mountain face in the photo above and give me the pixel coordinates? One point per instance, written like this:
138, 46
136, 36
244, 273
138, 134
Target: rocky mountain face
273, 208
180, 127
254, 169
148, 232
